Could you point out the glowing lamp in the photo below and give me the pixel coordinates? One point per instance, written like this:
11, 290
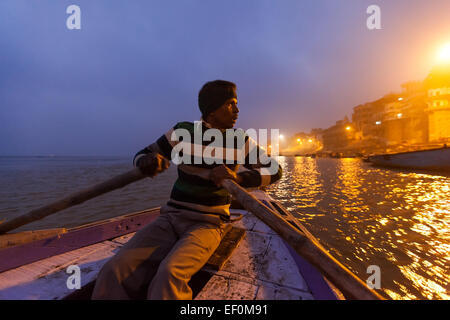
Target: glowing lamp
443, 55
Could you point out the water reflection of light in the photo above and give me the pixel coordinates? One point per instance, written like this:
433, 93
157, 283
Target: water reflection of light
349, 187
362, 215
300, 184
432, 222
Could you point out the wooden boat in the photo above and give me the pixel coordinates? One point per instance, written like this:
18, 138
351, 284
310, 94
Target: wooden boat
252, 261
432, 159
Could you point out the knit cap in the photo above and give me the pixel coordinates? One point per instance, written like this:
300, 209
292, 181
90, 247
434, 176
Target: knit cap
214, 94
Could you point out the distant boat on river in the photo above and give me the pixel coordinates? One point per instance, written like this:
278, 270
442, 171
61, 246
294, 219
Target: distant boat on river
432, 159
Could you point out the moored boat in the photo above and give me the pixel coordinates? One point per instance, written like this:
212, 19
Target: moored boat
252, 262
432, 159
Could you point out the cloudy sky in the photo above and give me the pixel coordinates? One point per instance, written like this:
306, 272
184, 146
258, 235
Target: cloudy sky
135, 67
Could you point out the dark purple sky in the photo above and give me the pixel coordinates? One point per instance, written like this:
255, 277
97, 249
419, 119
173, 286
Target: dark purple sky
135, 67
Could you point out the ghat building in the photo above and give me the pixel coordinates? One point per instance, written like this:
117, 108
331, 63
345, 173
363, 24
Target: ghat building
419, 115
338, 137
437, 86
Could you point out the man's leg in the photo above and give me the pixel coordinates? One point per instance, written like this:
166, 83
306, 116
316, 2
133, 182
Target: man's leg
190, 253
128, 273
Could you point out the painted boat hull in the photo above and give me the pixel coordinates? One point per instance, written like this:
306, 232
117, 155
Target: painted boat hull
262, 266
435, 159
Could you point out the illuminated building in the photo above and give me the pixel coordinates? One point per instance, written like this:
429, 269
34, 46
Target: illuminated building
338, 137
368, 121
438, 97
404, 119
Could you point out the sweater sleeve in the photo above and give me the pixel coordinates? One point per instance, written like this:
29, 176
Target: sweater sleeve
259, 169
163, 146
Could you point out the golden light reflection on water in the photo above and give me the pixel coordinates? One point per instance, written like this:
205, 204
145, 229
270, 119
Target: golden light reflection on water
363, 215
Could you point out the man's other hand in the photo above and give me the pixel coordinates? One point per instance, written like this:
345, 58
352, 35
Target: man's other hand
152, 164
222, 172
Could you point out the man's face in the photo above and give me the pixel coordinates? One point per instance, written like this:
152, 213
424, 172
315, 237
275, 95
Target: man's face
225, 117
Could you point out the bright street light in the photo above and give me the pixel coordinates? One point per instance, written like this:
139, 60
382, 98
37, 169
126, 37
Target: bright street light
443, 55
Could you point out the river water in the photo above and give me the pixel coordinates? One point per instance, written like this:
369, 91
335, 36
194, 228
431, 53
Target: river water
364, 216
396, 220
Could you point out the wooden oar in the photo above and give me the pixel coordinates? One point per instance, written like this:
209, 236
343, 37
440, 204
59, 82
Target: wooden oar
350, 285
74, 199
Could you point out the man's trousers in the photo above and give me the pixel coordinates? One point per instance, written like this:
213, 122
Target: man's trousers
161, 258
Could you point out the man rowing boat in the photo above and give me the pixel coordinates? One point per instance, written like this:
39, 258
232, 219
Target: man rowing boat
161, 258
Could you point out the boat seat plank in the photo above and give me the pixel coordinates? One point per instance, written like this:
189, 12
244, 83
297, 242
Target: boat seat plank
226, 247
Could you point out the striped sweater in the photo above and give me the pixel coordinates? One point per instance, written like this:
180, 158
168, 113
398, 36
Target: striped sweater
193, 190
